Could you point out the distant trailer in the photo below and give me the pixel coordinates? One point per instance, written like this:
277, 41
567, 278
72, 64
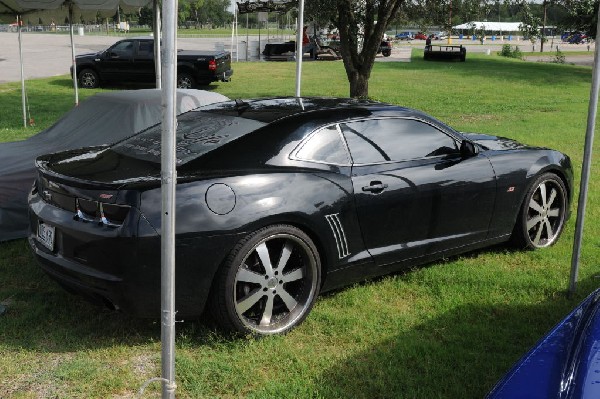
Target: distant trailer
445, 53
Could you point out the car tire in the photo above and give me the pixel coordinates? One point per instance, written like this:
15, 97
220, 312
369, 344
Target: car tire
386, 53
542, 215
269, 282
88, 79
185, 81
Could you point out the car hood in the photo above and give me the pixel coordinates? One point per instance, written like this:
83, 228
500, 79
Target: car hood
495, 143
564, 364
88, 55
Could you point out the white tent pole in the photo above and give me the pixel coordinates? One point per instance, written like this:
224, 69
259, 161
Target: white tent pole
168, 186
157, 62
73, 54
237, 38
585, 168
232, 31
299, 47
22, 73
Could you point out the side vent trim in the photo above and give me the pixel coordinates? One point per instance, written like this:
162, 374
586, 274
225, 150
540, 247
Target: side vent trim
339, 234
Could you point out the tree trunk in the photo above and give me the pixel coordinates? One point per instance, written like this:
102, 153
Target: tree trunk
359, 85
361, 26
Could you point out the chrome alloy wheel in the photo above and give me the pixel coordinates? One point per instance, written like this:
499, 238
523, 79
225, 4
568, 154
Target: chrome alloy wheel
275, 284
185, 81
546, 213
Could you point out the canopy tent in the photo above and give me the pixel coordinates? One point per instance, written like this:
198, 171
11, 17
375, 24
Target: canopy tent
490, 26
281, 7
59, 9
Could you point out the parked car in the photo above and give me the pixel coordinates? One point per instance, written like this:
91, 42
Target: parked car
421, 36
404, 36
440, 35
131, 60
563, 364
280, 199
385, 48
104, 118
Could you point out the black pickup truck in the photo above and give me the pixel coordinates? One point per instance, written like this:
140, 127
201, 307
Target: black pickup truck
132, 60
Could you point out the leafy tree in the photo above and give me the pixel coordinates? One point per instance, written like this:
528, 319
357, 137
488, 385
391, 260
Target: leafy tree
361, 25
146, 17
582, 16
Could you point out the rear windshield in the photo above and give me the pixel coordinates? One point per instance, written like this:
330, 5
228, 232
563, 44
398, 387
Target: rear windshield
197, 134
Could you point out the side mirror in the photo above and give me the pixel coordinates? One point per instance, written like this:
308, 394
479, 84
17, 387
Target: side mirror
468, 149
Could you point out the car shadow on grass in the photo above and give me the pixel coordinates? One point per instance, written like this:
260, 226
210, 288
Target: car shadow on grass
39, 314
461, 354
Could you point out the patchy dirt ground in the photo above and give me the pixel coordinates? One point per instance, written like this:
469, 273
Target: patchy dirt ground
586, 60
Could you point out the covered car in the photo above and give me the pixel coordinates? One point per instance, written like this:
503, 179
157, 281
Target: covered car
101, 119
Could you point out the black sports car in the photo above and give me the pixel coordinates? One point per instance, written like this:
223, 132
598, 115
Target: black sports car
280, 199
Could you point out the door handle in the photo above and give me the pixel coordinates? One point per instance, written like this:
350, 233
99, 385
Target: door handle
375, 187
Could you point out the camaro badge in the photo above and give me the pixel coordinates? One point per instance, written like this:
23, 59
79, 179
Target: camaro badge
106, 196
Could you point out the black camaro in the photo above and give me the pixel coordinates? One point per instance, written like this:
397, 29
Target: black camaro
280, 199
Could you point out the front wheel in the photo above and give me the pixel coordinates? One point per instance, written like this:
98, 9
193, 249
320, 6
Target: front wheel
88, 79
185, 81
386, 53
542, 216
269, 282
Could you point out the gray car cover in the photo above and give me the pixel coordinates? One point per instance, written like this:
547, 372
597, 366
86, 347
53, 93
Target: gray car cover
102, 119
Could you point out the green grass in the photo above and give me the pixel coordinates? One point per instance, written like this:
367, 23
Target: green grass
449, 329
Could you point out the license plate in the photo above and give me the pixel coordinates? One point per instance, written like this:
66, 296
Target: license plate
45, 235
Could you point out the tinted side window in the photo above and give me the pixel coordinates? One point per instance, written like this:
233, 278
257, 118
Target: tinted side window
384, 140
146, 48
324, 146
123, 49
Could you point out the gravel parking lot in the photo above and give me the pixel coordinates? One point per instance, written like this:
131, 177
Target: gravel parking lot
49, 54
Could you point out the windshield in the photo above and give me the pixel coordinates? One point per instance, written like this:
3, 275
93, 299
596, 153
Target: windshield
197, 134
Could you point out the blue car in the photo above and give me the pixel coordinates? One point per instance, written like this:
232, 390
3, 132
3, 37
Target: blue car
564, 364
405, 36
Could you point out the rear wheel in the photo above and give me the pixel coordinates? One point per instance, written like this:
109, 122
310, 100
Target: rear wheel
88, 78
386, 53
269, 282
542, 216
185, 81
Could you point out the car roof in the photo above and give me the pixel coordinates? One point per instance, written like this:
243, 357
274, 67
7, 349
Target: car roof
268, 110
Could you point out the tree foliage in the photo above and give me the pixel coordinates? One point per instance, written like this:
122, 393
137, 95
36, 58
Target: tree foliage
582, 16
361, 25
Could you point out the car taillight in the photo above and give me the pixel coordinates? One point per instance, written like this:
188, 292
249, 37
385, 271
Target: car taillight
212, 65
107, 214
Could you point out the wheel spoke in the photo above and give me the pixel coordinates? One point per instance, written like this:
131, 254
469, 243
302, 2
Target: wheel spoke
543, 194
286, 251
293, 275
268, 312
538, 235
535, 206
249, 301
265, 259
249, 276
554, 212
551, 198
533, 221
285, 296
549, 231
